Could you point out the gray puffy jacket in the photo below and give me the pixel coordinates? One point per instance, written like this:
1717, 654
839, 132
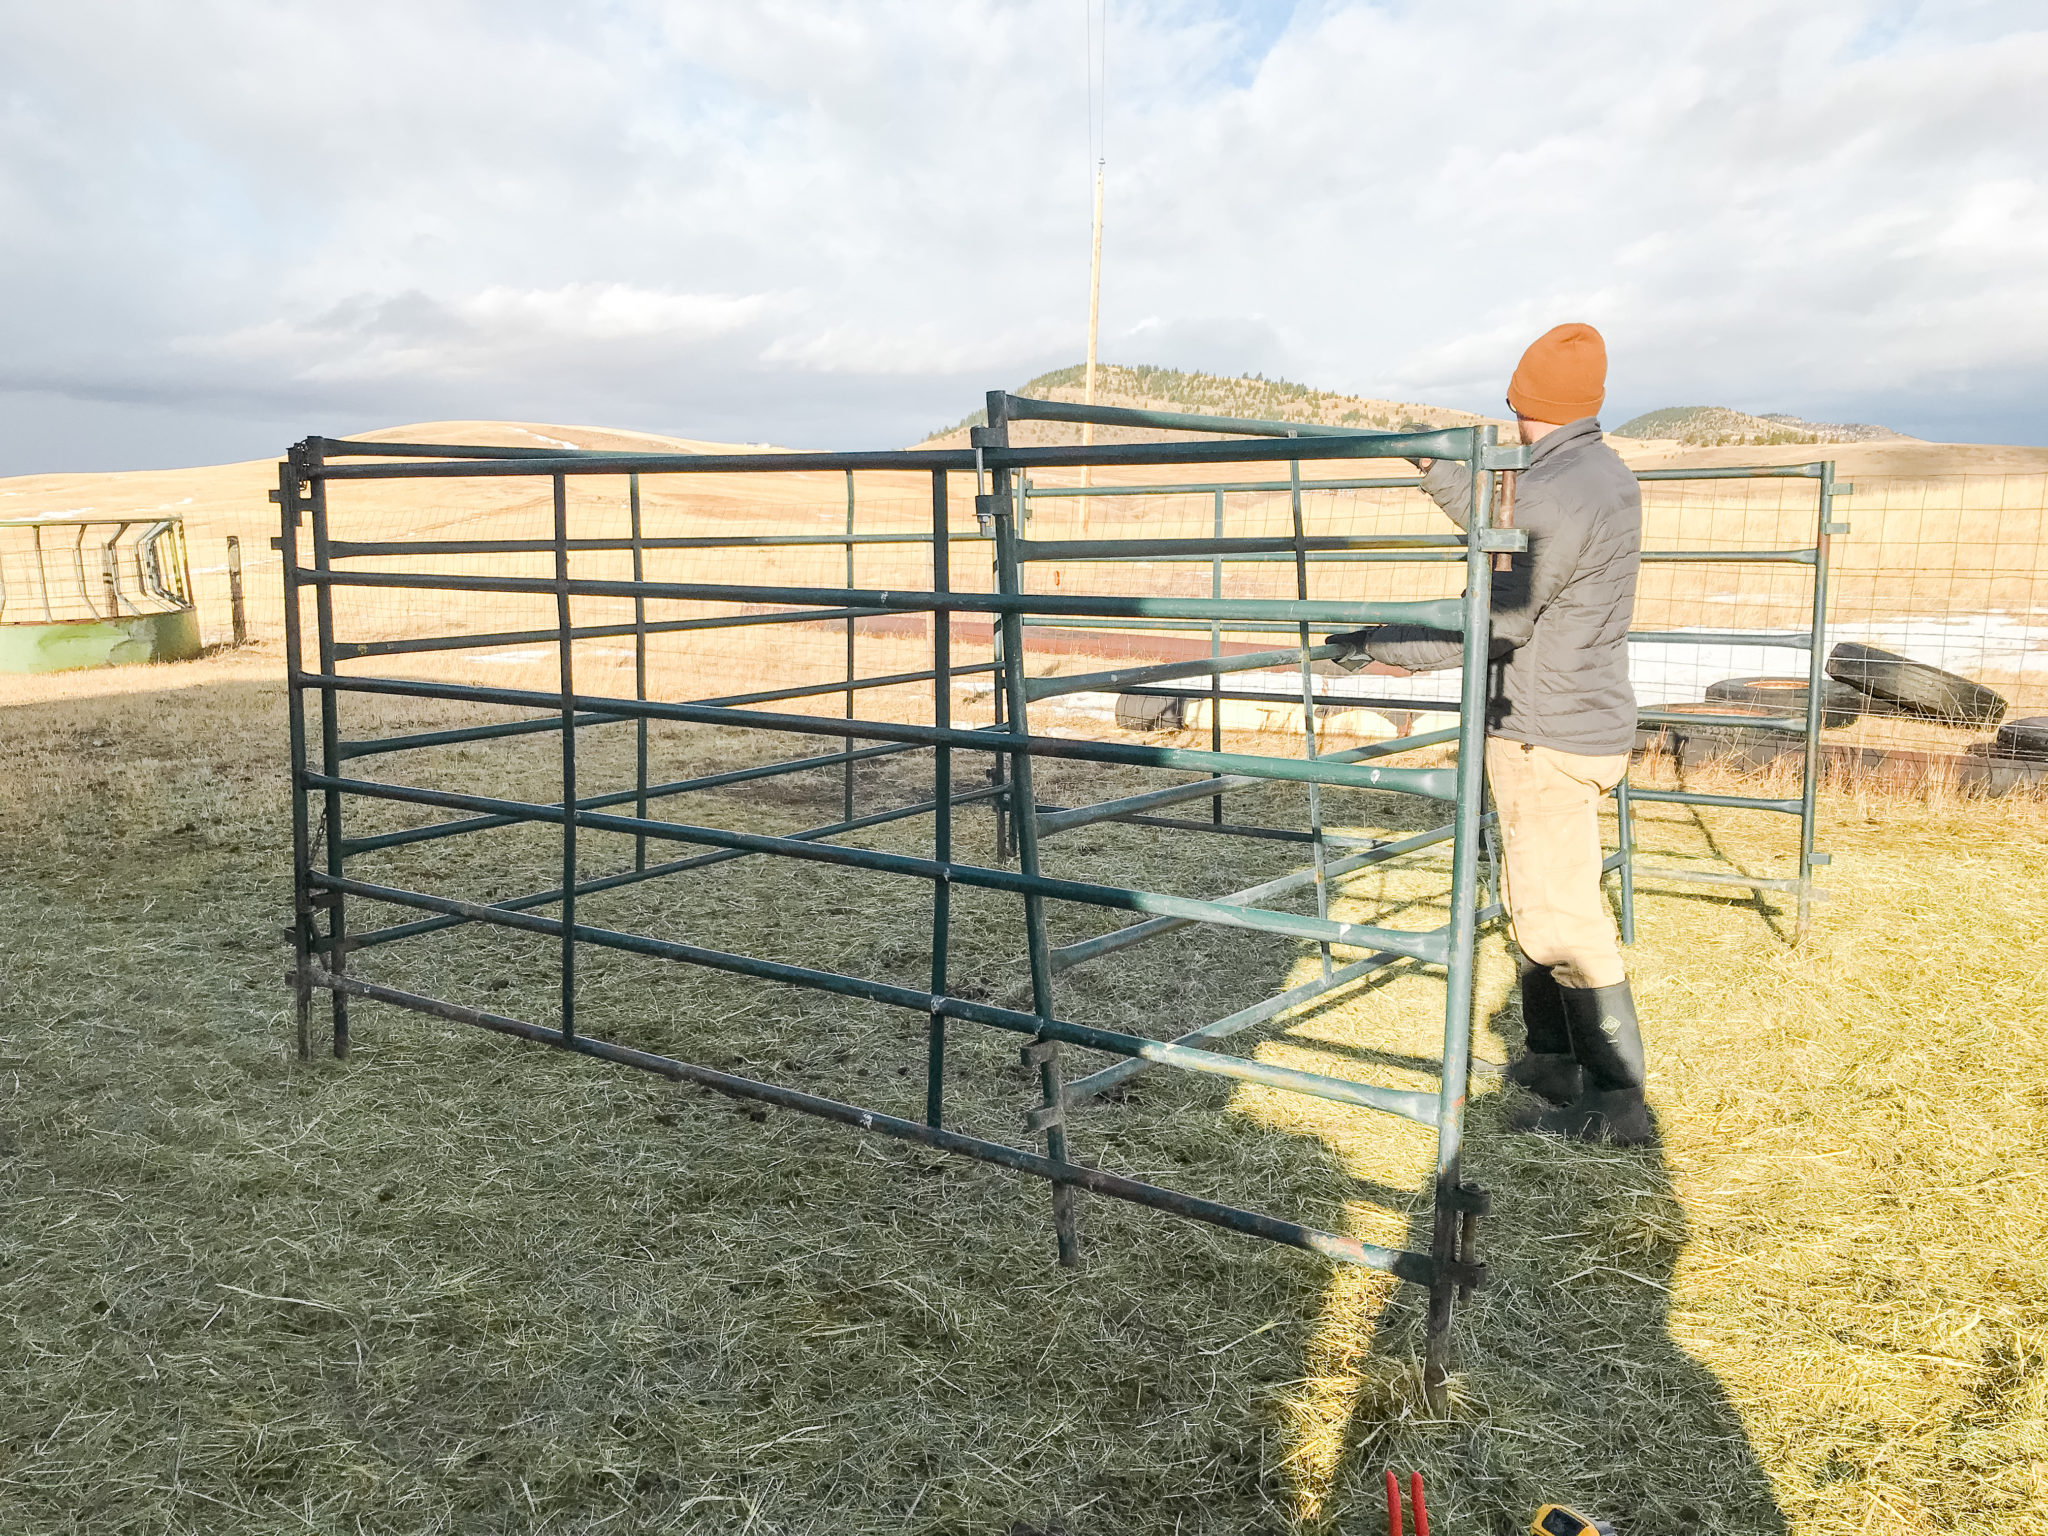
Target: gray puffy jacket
1561, 614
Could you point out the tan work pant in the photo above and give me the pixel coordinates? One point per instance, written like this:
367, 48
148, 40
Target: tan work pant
1549, 807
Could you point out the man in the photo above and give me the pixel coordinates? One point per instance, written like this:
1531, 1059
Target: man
1560, 724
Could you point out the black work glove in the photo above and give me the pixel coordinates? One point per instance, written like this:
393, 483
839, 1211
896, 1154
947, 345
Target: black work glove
1353, 657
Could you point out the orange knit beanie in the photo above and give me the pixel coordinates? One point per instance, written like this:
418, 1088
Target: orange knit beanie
1562, 377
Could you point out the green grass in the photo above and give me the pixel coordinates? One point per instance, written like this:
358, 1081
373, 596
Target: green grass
461, 1284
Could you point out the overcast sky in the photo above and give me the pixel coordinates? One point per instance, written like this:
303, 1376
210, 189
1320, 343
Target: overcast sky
225, 225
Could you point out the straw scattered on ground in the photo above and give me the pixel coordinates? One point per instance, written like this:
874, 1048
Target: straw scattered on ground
460, 1284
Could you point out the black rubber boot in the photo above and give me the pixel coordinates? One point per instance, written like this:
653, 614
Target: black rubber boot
1609, 1046
1547, 1068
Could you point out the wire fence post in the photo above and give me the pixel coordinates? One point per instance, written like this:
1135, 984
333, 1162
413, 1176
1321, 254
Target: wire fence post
238, 615
942, 805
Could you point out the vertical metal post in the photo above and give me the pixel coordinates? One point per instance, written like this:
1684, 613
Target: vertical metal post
1445, 1248
1043, 1053
1216, 678
567, 646
1308, 708
35, 534
330, 748
238, 616
1816, 683
639, 673
1625, 837
999, 762
848, 741
287, 497
942, 802
78, 567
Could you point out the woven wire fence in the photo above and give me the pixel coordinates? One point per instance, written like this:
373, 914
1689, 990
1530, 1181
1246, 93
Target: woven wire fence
1948, 571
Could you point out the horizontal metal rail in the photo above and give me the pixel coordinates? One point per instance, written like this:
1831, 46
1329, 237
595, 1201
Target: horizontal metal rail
1731, 802
1408, 1106
1792, 725
354, 650
1415, 1267
1228, 487
1061, 819
598, 884
1505, 539
441, 829
356, 549
1433, 613
456, 735
1805, 556
1801, 641
1026, 408
1753, 472
1204, 666
1428, 782
1070, 955
1452, 443
1078, 550
1098, 1083
844, 685
1172, 626
1715, 877
1329, 700
1429, 946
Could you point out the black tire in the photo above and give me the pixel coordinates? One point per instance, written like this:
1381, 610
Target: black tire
1750, 746
1840, 703
2026, 739
1147, 712
1923, 689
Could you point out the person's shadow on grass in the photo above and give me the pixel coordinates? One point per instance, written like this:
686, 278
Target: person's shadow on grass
1569, 1384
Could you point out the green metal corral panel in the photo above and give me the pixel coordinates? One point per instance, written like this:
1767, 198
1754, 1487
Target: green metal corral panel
65, 647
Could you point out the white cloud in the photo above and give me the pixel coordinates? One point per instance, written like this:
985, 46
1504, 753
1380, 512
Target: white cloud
840, 222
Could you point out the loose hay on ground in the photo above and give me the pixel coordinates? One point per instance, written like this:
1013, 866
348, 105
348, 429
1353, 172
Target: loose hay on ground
457, 1284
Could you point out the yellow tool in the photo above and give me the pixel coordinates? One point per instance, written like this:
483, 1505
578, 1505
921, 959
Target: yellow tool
1556, 1520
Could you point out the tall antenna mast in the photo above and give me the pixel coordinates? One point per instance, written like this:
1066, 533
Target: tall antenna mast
1098, 150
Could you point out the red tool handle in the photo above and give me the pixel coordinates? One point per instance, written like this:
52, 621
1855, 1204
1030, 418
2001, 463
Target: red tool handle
1393, 1504
1415, 1500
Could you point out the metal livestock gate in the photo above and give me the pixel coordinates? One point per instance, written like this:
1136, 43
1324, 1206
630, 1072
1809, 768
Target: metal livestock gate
333, 953
1752, 732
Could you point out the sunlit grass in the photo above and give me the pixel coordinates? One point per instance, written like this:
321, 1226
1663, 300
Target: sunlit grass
461, 1284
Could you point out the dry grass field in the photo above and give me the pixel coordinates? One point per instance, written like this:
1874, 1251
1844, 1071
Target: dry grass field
459, 1284
1945, 560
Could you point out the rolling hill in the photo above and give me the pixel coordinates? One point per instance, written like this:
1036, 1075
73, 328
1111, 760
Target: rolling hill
1208, 394
1716, 426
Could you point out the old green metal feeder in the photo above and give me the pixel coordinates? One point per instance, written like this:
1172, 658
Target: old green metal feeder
94, 592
